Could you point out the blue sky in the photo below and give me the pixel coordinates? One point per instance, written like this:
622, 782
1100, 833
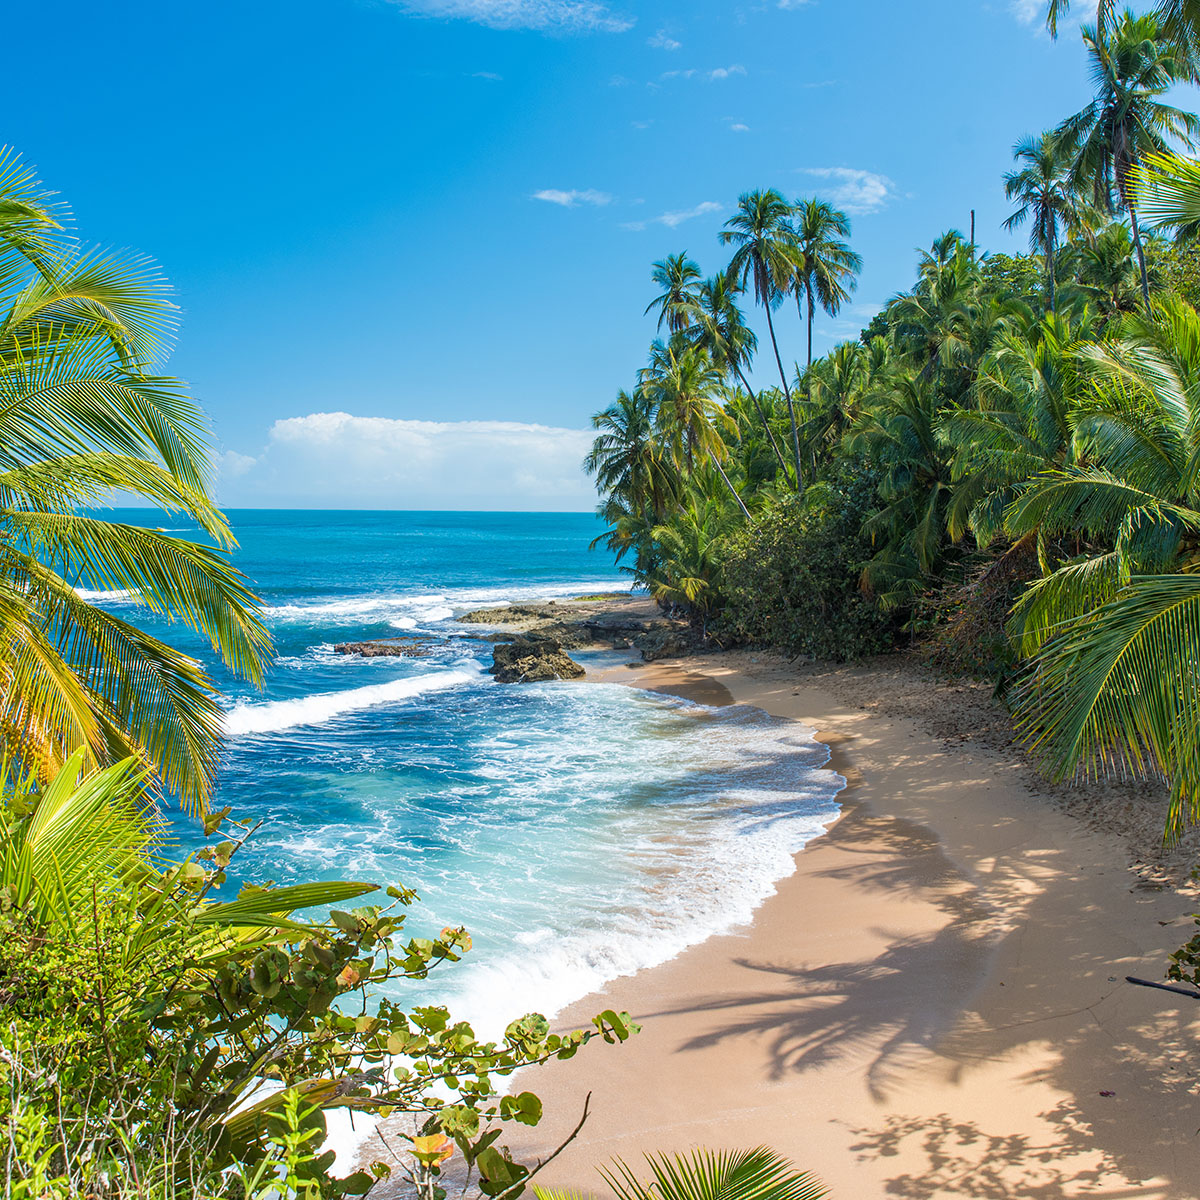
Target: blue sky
412, 238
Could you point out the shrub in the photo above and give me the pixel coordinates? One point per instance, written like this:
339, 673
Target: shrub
791, 580
143, 1021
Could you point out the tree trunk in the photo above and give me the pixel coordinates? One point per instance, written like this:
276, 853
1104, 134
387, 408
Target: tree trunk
729, 484
1050, 272
787, 395
811, 314
763, 416
1141, 253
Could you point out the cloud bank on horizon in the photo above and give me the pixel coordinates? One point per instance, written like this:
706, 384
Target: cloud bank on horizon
338, 460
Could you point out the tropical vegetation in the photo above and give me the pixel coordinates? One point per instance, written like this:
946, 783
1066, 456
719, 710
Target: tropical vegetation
157, 1041
1003, 466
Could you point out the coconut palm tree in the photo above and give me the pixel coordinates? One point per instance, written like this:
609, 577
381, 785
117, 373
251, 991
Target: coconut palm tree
825, 268
898, 436
721, 329
634, 472
1040, 189
764, 243
1126, 122
1179, 19
932, 324
85, 412
682, 383
679, 279
1129, 499
1018, 425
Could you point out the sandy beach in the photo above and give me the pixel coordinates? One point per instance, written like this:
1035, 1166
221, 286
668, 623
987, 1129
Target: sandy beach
935, 1003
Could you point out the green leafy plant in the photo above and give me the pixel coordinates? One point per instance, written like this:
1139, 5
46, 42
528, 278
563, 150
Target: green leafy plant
758, 1174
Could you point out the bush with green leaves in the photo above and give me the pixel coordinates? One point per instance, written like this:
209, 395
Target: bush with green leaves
791, 579
153, 1034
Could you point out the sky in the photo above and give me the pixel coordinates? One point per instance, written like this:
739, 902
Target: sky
412, 239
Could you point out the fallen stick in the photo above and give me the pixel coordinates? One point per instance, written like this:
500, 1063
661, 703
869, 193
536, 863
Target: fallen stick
1163, 987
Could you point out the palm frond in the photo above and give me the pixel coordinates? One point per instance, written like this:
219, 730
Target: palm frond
758, 1174
1118, 689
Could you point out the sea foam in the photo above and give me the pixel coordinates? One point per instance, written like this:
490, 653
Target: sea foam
273, 716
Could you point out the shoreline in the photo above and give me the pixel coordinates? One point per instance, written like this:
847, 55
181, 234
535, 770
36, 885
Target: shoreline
950, 1023
931, 1004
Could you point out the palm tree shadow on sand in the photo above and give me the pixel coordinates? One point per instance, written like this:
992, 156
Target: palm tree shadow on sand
812, 1016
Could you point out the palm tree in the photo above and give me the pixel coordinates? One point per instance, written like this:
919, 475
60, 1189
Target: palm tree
1043, 199
932, 324
838, 387
898, 436
764, 240
722, 330
679, 279
1126, 122
84, 413
1018, 426
1179, 19
691, 549
1130, 499
826, 269
626, 457
682, 383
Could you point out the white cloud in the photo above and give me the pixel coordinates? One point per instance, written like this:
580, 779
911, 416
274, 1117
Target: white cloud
663, 41
490, 76
548, 16
858, 192
231, 464
574, 198
337, 460
671, 219
792, 5
713, 76
738, 127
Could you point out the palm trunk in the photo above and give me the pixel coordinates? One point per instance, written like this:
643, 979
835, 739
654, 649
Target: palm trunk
729, 484
1141, 253
763, 417
1050, 272
811, 314
787, 395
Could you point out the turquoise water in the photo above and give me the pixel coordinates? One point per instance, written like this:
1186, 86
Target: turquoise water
580, 831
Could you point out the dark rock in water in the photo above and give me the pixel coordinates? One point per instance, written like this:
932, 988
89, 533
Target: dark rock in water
387, 648
534, 658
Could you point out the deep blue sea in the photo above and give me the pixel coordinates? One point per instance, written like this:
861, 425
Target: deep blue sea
580, 831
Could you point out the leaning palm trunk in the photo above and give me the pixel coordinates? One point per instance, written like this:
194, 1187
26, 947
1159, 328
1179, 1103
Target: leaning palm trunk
762, 414
716, 462
787, 395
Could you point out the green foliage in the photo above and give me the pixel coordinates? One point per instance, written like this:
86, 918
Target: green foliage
759, 1174
143, 1019
791, 579
86, 411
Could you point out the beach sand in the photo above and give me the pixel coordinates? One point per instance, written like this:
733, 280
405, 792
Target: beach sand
933, 1005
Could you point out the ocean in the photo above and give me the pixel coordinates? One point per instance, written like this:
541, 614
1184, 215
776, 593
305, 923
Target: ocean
580, 831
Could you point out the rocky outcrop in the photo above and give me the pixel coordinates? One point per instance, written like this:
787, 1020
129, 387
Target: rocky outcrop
525, 619
386, 648
624, 623
533, 658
